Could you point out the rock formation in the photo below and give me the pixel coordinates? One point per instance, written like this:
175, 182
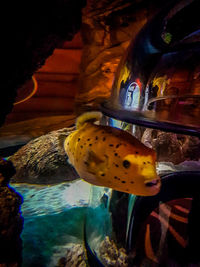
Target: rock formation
172, 147
43, 160
11, 221
30, 32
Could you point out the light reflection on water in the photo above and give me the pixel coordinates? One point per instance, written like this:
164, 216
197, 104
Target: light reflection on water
49, 200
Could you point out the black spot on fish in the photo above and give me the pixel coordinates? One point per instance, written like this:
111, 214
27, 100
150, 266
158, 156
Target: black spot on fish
111, 145
90, 144
118, 145
149, 162
117, 178
79, 139
116, 154
104, 138
117, 165
144, 162
86, 163
81, 146
126, 164
88, 139
103, 174
123, 182
136, 152
96, 138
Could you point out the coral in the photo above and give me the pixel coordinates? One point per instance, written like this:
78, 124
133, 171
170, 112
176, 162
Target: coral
110, 255
75, 257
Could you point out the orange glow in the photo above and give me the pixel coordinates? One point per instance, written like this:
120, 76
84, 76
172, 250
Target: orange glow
173, 215
148, 246
176, 235
35, 87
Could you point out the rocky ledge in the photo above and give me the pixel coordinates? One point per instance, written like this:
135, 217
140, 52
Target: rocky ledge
11, 221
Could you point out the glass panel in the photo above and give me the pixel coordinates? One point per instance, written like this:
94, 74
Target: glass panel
164, 236
158, 79
112, 215
98, 219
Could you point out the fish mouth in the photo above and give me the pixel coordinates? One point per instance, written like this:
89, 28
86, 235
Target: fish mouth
153, 183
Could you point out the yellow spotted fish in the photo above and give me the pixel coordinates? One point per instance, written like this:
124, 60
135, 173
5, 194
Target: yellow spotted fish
110, 157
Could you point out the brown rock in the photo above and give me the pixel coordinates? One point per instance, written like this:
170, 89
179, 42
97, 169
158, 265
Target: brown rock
171, 147
6, 172
166, 145
43, 160
190, 148
11, 221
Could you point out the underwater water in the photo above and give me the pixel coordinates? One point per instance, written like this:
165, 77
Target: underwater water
53, 218
98, 219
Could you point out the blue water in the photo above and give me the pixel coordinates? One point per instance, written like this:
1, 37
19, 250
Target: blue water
53, 218
47, 235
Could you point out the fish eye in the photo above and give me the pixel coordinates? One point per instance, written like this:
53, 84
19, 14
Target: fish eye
126, 164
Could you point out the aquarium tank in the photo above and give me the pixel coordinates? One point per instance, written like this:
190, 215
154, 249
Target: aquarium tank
156, 98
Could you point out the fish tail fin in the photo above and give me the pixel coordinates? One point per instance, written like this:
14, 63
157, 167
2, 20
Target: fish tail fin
88, 117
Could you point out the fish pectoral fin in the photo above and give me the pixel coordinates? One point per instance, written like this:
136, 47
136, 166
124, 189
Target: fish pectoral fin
94, 158
95, 164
